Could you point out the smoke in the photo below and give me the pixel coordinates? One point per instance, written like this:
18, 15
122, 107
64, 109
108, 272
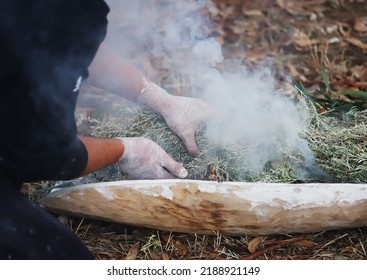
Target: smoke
249, 109
175, 32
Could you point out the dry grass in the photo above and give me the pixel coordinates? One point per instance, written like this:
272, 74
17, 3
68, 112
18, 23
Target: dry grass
338, 144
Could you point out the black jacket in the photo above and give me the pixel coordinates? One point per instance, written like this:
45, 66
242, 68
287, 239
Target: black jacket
46, 47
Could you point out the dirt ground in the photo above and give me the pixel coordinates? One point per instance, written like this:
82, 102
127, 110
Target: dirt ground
320, 43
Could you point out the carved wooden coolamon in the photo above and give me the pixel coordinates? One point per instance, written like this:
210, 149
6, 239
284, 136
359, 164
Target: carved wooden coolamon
208, 207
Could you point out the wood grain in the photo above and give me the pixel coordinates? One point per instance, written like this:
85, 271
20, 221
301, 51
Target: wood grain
207, 207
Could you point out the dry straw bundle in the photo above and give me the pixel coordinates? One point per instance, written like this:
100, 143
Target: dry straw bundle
339, 146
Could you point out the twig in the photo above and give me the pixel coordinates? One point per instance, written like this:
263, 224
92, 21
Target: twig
274, 247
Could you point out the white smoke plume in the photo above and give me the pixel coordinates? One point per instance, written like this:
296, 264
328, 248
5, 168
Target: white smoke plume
248, 109
251, 112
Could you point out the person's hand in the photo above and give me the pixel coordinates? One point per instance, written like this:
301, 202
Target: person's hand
183, 115
145, 159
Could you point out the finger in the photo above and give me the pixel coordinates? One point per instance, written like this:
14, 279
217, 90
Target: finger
175, 168
190, 144
160, 173
165, 174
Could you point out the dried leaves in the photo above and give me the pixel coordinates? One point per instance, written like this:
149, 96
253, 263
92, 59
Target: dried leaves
301, 8
300, 36
357, 43
254, 243
360, 24
113, 242
133, 252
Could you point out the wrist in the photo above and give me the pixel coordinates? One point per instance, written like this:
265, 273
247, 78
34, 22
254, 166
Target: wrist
154, 97
123, 142
129, 143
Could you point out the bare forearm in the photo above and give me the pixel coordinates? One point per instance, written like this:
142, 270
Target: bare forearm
102, 152
111, 72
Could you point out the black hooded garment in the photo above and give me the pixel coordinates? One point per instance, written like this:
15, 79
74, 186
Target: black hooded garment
46, 47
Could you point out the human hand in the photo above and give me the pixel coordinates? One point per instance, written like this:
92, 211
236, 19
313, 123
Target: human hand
145, 159
183, 115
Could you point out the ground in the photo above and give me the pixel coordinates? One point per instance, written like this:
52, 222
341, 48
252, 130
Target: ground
321, 44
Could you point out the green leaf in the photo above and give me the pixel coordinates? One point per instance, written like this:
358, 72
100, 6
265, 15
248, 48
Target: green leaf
302, 88
359, 93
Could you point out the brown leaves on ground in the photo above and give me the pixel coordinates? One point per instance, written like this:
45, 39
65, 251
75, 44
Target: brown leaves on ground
112, 241
300, 37
360, 24
254, 243
300, 8
133, 251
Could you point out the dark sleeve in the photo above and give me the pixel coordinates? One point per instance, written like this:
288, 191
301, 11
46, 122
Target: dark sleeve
46, 48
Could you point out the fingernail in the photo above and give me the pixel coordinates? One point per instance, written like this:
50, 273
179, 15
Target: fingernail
183, 173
